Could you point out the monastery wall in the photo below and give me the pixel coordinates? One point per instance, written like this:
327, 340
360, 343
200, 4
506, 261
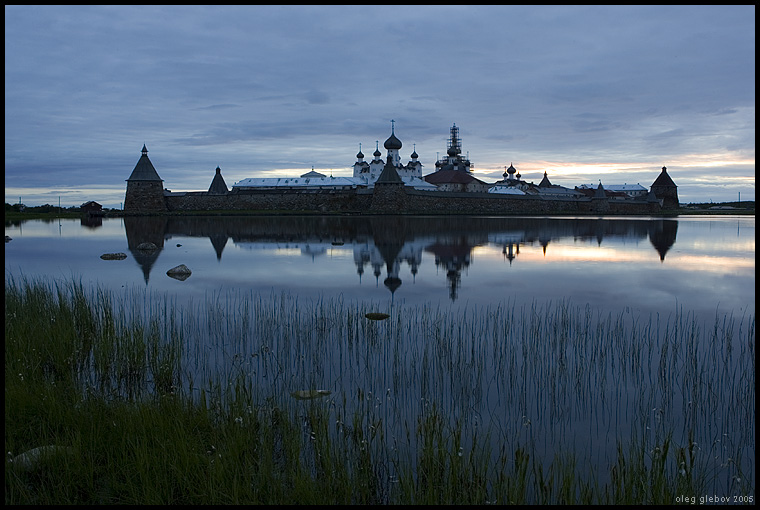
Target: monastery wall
144, 197
398, 200
424, 202
271, 200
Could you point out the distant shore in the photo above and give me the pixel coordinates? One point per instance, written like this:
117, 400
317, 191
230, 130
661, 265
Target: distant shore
717, 209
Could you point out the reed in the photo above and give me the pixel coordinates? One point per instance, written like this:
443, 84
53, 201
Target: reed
544, 403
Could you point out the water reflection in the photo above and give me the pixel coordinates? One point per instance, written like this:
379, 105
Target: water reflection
91, 221
387, 243
662, 235
584, 394
146, 230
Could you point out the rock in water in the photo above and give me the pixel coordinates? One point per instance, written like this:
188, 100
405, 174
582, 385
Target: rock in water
33, 459
181, 272
309, 394
147, 246
375, 316
113, 256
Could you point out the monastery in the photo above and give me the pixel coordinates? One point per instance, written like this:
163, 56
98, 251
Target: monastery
389, 186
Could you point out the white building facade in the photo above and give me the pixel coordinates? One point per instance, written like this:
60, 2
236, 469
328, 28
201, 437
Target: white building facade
632, 190
364, 174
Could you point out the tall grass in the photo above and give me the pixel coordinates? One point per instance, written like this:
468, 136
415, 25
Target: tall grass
535, 403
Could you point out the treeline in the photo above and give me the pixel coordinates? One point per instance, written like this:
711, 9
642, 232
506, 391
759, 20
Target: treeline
47, 211
42, 209
744, 204
47, 208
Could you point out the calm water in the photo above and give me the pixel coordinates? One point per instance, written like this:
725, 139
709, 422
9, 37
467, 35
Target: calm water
704, 264
584, 397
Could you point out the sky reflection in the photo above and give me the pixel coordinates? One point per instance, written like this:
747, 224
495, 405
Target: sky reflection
649, 265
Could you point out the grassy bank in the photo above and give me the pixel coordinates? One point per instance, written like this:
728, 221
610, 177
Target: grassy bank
147, 402
20, 216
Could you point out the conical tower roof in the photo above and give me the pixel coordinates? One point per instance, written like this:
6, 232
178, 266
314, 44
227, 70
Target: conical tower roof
389, 174
144, 170
218, 186
663, 179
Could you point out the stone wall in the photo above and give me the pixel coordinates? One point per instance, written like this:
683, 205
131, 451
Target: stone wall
426, 202
390, 199
263, 200
668, 195
144, 197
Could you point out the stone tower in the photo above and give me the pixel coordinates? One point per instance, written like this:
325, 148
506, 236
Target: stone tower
145, 190
666, 190
389, 195
599, 202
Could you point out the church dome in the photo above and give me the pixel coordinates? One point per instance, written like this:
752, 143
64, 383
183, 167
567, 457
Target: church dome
392, 143
360, 154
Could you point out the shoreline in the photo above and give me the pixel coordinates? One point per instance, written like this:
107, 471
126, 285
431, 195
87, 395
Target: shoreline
16, 216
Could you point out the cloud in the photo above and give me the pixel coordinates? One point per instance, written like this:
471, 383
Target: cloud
257, 88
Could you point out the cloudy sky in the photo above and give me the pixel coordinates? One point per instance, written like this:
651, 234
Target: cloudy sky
586, 94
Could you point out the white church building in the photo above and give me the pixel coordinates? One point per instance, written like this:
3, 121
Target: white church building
364, 174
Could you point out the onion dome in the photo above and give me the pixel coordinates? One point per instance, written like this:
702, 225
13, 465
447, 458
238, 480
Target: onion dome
511, 169
392, 283
377, 153
415, 155
392, 143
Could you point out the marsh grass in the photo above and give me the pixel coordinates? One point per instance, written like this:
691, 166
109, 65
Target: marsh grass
538, 403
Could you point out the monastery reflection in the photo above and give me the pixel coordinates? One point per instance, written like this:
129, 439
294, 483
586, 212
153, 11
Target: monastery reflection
511, 251
452, 255
385, 245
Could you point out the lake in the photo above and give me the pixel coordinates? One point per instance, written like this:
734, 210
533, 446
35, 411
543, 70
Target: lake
560, 332
705, 264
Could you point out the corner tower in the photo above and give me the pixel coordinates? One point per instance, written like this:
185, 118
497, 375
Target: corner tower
666, 190
145, 190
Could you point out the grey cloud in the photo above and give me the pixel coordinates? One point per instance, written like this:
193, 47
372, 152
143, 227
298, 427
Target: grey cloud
271, 86
217, 107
